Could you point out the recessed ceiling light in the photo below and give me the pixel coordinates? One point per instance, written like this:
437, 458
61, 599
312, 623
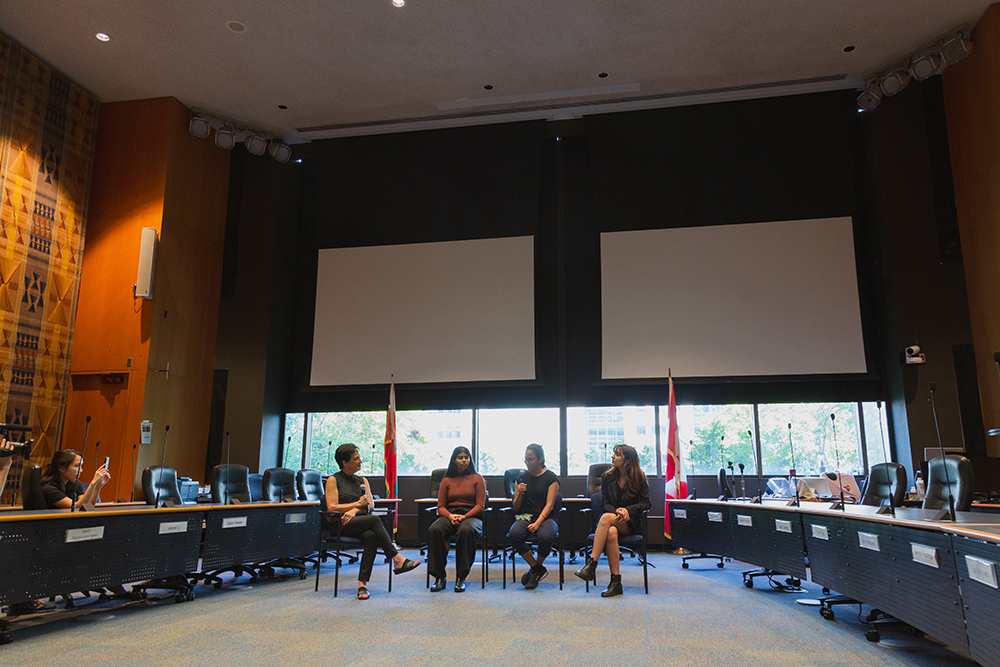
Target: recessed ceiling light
283, 107
488, 87
848, 49
602, 75
398, 3
103, 37
236, 26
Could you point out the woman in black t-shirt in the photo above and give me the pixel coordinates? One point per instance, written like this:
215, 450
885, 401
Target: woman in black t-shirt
534, 500
62, 476
624, 497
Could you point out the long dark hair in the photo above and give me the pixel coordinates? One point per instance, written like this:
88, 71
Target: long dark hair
633, 476
63, 458
453, 469
537, 451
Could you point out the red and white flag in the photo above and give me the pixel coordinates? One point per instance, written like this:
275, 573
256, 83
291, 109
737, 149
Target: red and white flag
674, 488
390, 448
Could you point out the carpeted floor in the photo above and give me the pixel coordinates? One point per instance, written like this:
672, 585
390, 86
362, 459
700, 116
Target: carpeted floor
700, 616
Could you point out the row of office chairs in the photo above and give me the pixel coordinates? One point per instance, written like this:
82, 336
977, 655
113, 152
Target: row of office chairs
887, 482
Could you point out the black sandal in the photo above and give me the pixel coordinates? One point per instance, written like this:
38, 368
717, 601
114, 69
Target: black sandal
362, 593
406, 566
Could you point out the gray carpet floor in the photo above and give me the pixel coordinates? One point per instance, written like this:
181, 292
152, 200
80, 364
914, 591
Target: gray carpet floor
700, 616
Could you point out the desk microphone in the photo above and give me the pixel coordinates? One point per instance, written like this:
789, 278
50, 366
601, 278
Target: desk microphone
135, 464
944, 460
791, 475
83, 450
743, 483
760, 482
885, 457
163, 458
228, 472
836, 453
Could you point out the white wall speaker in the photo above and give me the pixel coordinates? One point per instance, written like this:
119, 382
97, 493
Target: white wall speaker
147, 264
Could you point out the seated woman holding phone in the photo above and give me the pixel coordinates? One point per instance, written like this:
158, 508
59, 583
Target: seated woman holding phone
61, 481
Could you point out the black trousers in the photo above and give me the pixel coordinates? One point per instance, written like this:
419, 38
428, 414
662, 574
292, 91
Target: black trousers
546, 534
369, 529
438, 535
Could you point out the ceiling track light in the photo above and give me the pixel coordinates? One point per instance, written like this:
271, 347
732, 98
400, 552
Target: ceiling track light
225, 137
925, 66
200, 127
256, 144
894, 82
956, 48
279, 150
228, 133
871, 97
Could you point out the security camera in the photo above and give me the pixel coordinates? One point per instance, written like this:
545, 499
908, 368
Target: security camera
913, 355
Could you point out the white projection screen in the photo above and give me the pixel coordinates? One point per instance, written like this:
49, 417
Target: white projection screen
773, 298
458, 311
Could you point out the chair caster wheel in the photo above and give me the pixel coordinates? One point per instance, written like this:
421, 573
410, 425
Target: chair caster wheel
872, 636
684, 565
748, 583
217, 586
302, 575
826, 591
719, 565
792, 582
189, 597
178, 598
826, 613
6, 638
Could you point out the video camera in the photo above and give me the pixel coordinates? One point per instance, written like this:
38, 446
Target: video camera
22, 449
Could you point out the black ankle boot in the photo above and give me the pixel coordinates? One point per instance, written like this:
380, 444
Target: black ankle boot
614, 588
588, 571
439, 584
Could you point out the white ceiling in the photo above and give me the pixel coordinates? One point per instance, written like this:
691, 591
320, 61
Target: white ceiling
370, 66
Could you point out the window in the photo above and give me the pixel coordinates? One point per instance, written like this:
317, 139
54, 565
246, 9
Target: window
821, 444
503, 435
876, 433
592, 434
294, 427
711, 436
364, 429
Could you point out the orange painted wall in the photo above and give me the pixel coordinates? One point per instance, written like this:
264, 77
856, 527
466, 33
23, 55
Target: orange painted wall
972, 106
148, 172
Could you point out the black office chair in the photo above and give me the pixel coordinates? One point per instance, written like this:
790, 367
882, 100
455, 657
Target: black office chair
330, 536
32, 497
310, 484
483, 541
159, 483
436, 476
279, 485
626, 544
429, 515
255, 483
557, 514
886, 482
951, 474
230, 482
594, 474
509, 479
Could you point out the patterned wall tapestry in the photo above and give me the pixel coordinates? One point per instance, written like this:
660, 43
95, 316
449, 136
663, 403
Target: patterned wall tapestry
48, 128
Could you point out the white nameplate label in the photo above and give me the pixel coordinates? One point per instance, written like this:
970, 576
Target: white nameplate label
234, 522
744, 520
167, 527
715, 517
868, 541
680, 514
982, 570
298, 517
782, 526
84, 534
820, 532
924, 554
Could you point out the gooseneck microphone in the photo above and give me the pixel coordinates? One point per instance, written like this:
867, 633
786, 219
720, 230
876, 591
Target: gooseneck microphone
163, 458
83, 450
836, 454
760, 468
743, 484
228, 472
944, 460
791, 476
135, 463
885, 457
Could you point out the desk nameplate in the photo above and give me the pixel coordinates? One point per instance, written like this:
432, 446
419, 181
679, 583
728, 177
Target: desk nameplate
982, 570
84, 534
296, 517
744, 520
715, 517
782, 526
868, 541
925, 554
680, 514
168, 527
820, 532
234, 522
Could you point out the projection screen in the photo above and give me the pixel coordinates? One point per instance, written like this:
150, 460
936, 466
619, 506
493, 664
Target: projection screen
457, 311
760, 299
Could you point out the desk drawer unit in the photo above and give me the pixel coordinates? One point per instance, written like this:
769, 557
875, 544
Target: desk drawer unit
826, 542
700, 528
979, 575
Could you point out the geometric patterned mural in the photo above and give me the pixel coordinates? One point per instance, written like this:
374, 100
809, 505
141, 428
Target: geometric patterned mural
48, 129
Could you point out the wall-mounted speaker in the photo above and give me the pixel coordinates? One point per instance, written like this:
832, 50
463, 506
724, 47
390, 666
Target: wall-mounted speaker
143, 287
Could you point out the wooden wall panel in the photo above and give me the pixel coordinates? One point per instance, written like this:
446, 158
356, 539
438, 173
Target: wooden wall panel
972, 103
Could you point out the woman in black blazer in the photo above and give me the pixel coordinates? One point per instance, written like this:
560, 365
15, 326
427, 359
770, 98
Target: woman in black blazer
624, 497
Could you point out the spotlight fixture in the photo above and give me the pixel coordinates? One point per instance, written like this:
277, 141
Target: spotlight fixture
279, 150
103, 36
956, 48
256, 144
225, 137
925, 66
398, 3
200, 127
871, 97
894, 82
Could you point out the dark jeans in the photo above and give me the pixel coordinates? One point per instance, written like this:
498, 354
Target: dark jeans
369, 529
546, 534
438, 535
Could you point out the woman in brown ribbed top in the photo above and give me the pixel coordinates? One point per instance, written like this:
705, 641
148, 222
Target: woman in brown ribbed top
460, 503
